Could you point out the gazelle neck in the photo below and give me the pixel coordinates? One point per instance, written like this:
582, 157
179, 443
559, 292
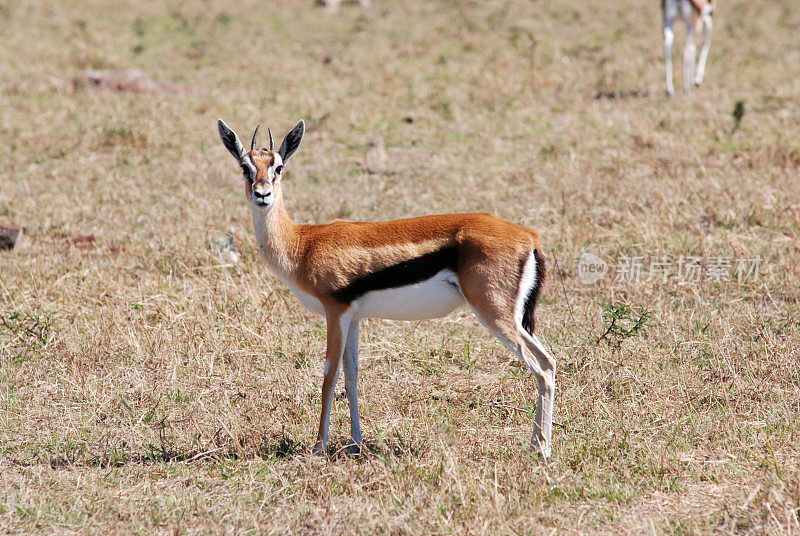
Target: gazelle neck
277, 237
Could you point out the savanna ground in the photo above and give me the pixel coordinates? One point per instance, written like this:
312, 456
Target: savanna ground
151, 385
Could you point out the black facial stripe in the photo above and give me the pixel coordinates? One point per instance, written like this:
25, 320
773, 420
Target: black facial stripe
528, 320
401, 274
248, 169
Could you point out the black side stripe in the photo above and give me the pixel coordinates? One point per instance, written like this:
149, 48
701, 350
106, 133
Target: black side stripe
401, 274
528, 320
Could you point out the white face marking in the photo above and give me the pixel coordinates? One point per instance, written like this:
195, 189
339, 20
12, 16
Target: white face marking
274, 171
248, 163
432, 298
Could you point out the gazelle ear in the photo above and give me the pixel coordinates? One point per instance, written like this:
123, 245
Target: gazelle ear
292, 141
230, 140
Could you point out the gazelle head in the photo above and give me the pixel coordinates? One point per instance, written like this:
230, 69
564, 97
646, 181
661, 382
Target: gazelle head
262, 167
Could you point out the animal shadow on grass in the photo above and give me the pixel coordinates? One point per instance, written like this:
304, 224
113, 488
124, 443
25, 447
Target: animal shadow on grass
614, 94
390, 448
285, 447
282, 447
153, 455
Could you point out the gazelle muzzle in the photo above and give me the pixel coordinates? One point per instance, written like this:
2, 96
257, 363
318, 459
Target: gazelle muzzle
262, 193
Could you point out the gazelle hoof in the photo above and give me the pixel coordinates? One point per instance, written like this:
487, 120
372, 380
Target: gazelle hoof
538, 448
319, 449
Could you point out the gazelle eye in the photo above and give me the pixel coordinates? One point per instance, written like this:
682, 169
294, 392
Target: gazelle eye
246, 173
278, 169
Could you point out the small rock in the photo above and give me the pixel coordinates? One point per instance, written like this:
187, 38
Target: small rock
10, 235
84, 241
226, 247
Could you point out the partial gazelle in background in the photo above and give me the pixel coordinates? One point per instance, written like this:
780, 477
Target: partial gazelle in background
333, 5
408, 269
695, 13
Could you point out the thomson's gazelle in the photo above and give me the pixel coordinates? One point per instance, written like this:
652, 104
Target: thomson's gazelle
407, 269
695, 13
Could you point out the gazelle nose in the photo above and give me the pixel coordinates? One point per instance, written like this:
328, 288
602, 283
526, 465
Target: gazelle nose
259, 194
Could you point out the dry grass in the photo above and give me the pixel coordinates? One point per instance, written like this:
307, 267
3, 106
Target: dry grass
146, 386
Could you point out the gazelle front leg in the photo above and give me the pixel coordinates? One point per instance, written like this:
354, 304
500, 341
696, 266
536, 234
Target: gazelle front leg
337, 330
351, 382
669, 37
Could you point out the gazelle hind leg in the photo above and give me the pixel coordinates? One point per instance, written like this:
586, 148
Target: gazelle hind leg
708, 25
531, 352
543, 365
689, 53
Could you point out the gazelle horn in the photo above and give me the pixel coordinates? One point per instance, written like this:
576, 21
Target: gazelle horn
255, 139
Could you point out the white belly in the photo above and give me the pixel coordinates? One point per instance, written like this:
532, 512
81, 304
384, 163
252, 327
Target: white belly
431, 298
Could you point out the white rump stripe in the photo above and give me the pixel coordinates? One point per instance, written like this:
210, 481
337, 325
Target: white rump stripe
526, 283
